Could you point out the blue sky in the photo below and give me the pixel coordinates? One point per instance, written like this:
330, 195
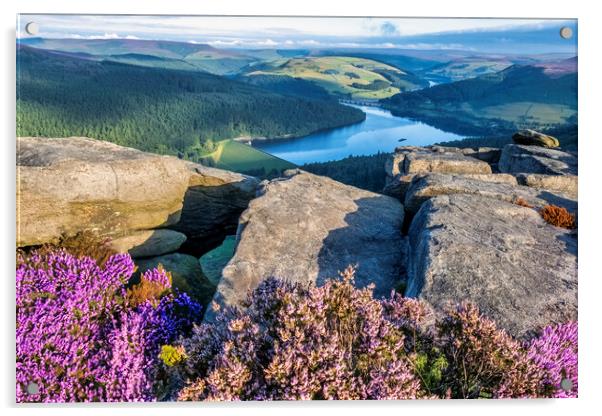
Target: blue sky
480, 35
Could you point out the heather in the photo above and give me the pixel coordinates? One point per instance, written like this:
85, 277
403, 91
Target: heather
83, 336
296, 342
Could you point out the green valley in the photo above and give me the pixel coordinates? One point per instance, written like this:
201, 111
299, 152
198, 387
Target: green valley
155, 109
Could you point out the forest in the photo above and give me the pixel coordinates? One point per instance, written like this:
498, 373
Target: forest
366, 172
159, 110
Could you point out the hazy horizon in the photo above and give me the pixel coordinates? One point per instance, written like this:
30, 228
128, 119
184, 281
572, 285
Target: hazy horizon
480, 35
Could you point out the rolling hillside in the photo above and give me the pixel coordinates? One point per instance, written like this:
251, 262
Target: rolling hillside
154, 53
465, 68
344, 76
533, 96
153, 109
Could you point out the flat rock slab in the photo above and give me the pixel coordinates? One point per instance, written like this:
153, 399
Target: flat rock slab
426, 186
443, 162
148, 243
567, 184
519, 270
69, 185
534, 159
398, 186
306, 228
411, 159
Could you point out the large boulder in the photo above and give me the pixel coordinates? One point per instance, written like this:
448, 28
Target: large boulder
407, 161
69, 185
306, 228
534, 138
533, 159
186, 273
148, 243
501, 187
519, 270
411, 159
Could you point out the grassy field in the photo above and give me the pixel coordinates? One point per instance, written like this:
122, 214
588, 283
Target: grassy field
240, 157
356, 78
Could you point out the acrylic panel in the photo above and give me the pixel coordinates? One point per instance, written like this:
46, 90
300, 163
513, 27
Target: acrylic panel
295, 208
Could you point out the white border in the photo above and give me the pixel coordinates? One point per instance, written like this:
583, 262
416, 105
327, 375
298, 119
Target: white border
590, 155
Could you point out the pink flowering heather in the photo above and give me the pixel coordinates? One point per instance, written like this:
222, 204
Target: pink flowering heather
555, 351
302, 343
77, 336
157, 276
338, 342
484, 361
82, 336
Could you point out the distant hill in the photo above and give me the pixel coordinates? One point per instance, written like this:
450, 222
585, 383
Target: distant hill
540, 96
344, 76
154, 109
393, 58
465, 68
159, 48
155, 53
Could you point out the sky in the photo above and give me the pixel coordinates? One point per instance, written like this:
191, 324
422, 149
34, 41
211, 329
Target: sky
484, 35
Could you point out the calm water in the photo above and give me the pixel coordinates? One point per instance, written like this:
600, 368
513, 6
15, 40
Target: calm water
380, 131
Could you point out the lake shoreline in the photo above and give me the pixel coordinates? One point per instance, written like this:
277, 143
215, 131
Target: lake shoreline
249, 139
380, 131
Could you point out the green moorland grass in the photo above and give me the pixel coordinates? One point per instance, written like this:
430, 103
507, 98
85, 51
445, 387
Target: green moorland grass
239, 157
337, 74
214, 261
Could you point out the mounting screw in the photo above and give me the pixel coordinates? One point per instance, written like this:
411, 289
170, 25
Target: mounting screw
566, 33
33, 388
566, 384
32, 28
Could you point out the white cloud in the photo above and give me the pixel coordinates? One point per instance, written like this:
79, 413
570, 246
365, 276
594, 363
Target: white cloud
309, 42
223, 43
267, 42
103, 36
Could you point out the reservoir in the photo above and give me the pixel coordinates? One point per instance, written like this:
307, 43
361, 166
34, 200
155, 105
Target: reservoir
379, 132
